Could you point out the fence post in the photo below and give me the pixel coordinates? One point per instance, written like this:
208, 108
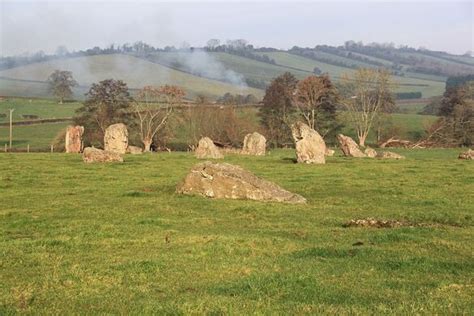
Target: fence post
28, 148
11, 127
6, 147
52, 148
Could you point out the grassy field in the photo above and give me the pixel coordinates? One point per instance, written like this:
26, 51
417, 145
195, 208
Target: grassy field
40, 136
136, 72
116, 239
427, 87
30, 80
43, 108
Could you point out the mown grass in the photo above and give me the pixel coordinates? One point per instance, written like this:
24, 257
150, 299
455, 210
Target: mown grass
90, 239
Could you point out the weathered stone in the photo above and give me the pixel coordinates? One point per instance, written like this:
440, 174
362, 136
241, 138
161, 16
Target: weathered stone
349, 147
389, 155
329, 152
92, 154
468, 155
116, 138
254, 144
73, 141
310, 146
134, 150
370, 152
226, 181
207, 150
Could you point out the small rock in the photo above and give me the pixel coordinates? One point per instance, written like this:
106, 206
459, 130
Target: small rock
369, 152
329, 152
468, 155
134, 150
389, 155
92, 154
349, 147
206, 149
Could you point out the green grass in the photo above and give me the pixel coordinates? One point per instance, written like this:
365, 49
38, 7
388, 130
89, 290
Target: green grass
412, 107
38, 136
405, 84
253, 69
408, 126
43, 108
136, 72
139, 72
91, 239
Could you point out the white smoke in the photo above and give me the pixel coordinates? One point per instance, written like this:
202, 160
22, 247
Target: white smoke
201, 63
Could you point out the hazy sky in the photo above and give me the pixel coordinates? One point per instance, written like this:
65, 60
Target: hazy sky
29, 26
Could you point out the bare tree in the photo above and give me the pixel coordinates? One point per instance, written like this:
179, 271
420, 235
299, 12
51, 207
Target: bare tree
153, 110
316, 96
368, 92
213, 43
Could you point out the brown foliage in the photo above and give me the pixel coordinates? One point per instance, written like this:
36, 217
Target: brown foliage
225, 125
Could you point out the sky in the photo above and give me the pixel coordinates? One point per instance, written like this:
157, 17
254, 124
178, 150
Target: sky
28, 26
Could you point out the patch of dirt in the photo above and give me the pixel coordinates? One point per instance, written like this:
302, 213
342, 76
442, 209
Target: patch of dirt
391, 223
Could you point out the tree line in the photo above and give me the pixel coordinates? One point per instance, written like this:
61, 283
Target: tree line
365, 97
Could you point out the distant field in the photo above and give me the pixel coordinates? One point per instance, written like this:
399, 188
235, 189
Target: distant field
412, 107
427, 87
136, 72
38, 136
43, 108
117, 239
164, 68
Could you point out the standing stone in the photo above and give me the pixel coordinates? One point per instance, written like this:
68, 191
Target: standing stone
468, 155
254, 144
116, 138
389, 155
370, 152
91, 155
310, 146
226, 181
349, 147
74, 139
206, 149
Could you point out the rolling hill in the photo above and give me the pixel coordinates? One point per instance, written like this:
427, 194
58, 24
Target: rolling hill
30, 80
226, 69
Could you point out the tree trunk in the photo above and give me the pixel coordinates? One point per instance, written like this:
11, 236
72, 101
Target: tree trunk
147, 145
362, 138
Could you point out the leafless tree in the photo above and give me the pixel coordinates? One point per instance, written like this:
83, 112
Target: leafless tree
153, 109
368, 92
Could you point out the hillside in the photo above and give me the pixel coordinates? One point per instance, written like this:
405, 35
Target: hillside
242, 70
134, 71
428, 87
260, 74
